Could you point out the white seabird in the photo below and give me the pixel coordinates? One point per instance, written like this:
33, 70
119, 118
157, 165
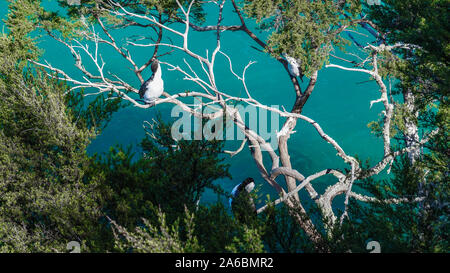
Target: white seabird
293, 66
152, 88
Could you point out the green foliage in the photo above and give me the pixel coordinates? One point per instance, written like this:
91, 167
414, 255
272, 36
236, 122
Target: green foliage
249, 241
20, 23
243, 208
282, 234
26, 16
185, 168
218, 231
171, 175
95, 114
305, 30
157, 239
407, 226
166, 11
224, 229
423, 71
44, 203
46, 199
425, 24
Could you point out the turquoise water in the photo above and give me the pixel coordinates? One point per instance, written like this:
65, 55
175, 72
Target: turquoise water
339, 104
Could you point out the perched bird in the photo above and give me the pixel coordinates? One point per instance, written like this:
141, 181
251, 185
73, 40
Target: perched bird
152, 88
293, 67
241, 202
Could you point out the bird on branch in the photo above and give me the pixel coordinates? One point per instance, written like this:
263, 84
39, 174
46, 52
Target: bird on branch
294, 67
152, 88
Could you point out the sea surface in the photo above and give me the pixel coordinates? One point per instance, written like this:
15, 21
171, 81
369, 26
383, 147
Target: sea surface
340, 102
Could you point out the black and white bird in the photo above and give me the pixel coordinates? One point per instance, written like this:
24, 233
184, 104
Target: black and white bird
241, 194
152, 88
294, 67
